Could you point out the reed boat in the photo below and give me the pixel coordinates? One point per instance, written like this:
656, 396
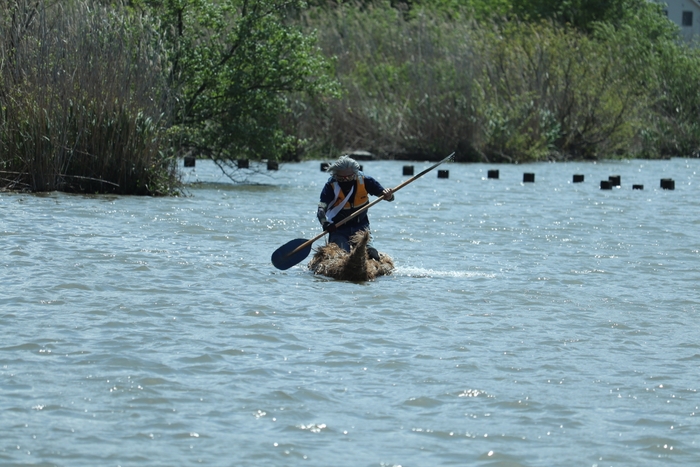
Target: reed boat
356, 266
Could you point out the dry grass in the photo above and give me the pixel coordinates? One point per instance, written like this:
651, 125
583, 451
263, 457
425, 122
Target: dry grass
82, 100
356, 266
492, 91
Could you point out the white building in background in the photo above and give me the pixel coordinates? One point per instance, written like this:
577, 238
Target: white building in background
686, 14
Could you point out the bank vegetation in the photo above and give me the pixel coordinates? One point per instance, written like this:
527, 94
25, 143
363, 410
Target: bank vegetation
109, 96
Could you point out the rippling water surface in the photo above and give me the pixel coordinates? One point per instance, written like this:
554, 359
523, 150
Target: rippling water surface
527, 324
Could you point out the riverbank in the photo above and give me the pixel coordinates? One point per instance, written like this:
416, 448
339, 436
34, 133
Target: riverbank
401, 85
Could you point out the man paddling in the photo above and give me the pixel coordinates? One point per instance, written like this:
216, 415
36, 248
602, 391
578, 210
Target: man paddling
345, 192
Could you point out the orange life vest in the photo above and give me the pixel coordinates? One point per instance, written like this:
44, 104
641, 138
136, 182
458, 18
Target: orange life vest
360, 198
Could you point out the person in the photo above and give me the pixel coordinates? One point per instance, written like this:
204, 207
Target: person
344, 193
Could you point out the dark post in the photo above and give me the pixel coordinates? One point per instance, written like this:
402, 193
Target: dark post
443, 174
528, 178
578, 178
493, 174
668, 184
408, 170
242, 163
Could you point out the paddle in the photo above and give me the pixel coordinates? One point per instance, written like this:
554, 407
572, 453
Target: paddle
294, 252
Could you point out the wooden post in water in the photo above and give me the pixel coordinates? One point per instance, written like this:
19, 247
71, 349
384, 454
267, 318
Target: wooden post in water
668, 184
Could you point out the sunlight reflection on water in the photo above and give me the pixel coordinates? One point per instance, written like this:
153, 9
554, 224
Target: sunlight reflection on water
526, 324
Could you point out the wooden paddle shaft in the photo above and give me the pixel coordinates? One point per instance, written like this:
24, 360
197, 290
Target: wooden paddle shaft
367, 206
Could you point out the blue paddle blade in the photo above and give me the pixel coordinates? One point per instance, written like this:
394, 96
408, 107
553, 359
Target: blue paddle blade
283, 258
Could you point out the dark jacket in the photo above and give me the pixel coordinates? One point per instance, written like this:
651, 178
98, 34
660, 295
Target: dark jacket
372, 186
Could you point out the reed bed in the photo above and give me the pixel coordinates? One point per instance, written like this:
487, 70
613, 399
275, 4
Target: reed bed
84, 102
493, 90
88, 91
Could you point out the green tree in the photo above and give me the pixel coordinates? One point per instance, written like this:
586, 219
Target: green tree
233, 66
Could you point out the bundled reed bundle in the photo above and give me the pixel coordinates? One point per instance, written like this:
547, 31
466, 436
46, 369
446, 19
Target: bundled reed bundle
356, 266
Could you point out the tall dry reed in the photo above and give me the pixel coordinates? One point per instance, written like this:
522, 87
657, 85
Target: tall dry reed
83, 100
505, 91
408, 85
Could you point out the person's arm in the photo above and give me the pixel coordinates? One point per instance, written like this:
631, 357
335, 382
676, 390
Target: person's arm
326, 197
376, 189
321, 213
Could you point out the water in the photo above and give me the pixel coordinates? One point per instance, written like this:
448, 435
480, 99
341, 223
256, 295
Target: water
527, 324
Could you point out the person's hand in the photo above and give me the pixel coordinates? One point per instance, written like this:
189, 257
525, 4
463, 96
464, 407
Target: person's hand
329, 227
388, 194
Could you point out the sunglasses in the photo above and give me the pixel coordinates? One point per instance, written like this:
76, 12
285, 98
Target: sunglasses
344, 178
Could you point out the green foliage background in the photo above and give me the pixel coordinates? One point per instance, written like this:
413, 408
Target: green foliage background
505, 81
107, 96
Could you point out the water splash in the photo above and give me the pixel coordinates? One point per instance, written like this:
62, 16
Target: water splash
410, 271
